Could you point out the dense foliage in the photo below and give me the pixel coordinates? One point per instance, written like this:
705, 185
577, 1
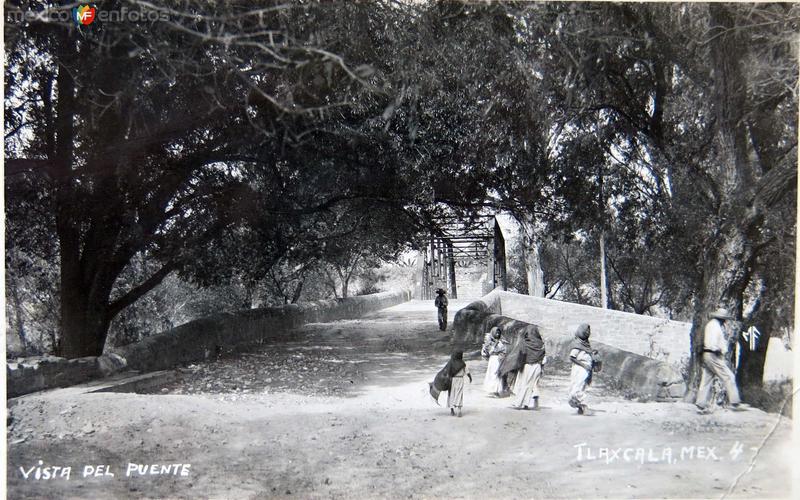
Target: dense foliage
287, 149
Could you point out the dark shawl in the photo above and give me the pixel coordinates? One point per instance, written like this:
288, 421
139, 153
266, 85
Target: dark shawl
515, 358
581, 340
527, 348
534, 346
443, 379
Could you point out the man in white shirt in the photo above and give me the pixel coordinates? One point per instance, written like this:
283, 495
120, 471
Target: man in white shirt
715, 345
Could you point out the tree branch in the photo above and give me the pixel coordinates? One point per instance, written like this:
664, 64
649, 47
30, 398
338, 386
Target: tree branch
774, 185
140, 290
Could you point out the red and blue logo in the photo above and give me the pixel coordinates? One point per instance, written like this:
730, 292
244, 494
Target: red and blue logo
84, 14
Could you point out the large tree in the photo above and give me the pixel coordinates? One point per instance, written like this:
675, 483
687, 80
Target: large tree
130, 138
712, 146
228, 143
753, 57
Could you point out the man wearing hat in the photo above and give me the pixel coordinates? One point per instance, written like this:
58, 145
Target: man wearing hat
441, 304
715, 346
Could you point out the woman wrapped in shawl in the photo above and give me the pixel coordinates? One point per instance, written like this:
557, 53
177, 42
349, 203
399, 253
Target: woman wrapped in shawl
513, 362
494, 349
451, 379
526, 386
582, 357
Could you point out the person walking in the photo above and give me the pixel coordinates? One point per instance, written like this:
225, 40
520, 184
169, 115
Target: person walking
451, 379
512, 365
457, 369
526, 386
582, 357
494, 350
441, 305
715, 346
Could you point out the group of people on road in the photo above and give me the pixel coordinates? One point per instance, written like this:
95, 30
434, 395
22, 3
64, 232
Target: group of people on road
515, 367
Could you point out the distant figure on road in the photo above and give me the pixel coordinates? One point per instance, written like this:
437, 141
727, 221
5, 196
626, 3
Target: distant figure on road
526, 386
441, 304
715, 345
457, 370
582, 357
494, 349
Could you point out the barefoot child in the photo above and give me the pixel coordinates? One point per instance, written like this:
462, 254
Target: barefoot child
581, 355
451, 379
457, 370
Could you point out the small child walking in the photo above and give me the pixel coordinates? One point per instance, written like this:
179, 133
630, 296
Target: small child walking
458, 370
451, 379
582, 356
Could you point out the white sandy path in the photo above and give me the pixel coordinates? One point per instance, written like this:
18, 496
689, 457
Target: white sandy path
388, 439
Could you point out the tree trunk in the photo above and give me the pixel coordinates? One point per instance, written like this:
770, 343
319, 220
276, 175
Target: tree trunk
76, 339
89, 229
533, 265
84, 324
729, 253
725, 276
603, 272
297, 291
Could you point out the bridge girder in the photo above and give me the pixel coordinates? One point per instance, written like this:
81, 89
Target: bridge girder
455, 242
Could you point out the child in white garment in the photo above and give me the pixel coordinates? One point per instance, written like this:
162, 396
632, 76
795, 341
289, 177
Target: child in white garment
582, 357
494, 350
458, 370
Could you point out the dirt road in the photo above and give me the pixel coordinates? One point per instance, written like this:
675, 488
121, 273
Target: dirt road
341, 411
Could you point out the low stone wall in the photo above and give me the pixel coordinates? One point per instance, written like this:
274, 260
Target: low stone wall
45, 372
645, 335
193, 341
202, 338
637, 376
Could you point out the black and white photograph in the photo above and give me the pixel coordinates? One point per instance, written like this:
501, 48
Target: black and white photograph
399, 249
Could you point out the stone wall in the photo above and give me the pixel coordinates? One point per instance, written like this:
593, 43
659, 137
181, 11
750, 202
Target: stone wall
636, 375
652, 337
204, 337
193, 341
45, 372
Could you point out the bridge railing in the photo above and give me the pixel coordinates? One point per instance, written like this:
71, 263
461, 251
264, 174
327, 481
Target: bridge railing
194, 341
637, 375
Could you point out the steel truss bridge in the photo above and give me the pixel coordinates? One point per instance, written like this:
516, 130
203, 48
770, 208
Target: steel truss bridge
456, 243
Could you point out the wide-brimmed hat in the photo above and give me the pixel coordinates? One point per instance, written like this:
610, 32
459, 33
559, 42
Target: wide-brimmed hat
440, 291
721, 313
